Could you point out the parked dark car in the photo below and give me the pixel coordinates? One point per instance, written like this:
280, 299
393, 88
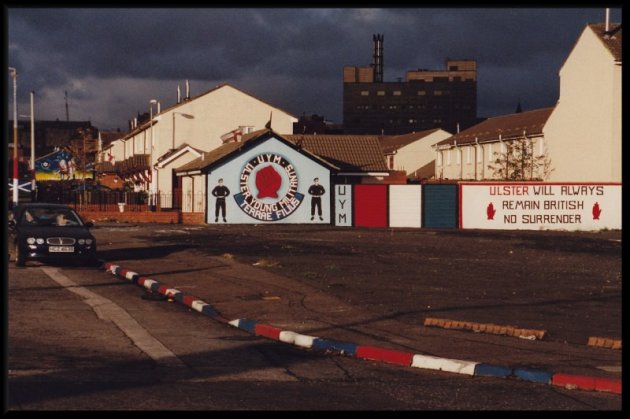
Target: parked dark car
48, 232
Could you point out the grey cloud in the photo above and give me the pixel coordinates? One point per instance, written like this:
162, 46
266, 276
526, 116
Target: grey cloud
292, 58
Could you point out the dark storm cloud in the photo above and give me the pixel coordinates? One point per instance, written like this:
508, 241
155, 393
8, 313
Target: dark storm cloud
291, 58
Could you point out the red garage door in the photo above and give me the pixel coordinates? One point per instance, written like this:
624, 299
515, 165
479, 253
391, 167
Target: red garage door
370, 205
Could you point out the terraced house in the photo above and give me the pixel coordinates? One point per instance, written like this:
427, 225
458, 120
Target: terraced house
577, 140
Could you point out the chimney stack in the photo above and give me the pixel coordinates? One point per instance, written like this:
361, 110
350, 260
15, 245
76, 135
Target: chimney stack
179, 94
607, 19
378, 57
187, 90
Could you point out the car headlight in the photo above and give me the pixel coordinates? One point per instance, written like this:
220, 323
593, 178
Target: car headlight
81, 241
88, 241
30, 240
39, 240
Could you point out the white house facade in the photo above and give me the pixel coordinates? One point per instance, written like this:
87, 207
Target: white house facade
151, 151
579, 139
413, 153
584, 131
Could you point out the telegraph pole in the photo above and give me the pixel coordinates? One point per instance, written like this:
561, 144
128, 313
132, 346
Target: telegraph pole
33, 184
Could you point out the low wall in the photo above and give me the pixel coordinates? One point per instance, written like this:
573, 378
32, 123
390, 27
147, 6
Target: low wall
167, 217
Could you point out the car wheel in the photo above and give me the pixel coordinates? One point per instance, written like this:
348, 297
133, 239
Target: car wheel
20, 260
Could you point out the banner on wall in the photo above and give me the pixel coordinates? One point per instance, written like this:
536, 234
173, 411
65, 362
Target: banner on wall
540, 206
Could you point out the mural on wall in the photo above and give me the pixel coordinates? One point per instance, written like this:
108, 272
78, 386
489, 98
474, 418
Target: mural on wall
59, 165
269, 183
540, 206
269, 188
220, 192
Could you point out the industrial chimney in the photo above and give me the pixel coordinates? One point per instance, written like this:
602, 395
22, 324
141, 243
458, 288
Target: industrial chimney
378, 57
187, 90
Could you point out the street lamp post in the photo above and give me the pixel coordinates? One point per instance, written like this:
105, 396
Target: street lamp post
13, 72
152, 168
185, 115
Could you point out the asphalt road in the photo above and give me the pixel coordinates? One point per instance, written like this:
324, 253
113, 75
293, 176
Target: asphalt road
82, 339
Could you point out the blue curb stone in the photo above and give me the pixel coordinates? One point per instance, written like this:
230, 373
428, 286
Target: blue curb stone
537, 376
249, 325
155, 286
179, 297
336, 346
208, 310
492, 370
117, 270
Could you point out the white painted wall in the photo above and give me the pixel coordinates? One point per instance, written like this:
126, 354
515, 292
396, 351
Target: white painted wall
540, 206
405, 205
194, 195
418, 154
232, 173
583, 133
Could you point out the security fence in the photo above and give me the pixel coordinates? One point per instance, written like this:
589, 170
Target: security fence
109, 200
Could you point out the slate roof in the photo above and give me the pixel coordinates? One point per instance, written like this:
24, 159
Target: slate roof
350, 153
391, 143
508, 126
611, 39
345, 153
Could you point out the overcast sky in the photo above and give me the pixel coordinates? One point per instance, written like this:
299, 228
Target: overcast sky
113, 61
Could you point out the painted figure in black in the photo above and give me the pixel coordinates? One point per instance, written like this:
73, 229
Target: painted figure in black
316, 191
220, 192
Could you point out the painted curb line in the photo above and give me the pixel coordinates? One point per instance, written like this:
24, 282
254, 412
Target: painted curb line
371, 353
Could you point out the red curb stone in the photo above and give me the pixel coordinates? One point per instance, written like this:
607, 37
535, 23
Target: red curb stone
385, 355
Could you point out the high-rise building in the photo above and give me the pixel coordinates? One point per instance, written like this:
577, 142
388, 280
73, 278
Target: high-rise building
425, 99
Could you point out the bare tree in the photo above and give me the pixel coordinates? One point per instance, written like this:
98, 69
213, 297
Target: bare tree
518, 162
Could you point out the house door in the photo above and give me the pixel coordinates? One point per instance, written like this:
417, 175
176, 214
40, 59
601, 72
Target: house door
177, 191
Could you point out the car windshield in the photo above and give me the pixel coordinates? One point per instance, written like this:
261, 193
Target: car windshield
49, 217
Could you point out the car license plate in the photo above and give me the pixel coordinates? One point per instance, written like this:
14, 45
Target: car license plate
61, 249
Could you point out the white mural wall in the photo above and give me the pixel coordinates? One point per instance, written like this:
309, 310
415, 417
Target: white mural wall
270, 183
540, 206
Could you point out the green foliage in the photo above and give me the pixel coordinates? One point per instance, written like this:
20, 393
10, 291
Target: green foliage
519, 163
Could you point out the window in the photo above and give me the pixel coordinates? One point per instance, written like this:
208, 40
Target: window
437, 93
365, 93
468, 149
397, 93
422, 92
541, 146
380, 93
439, 158
489, 152
479, 150
459, 156
448, 156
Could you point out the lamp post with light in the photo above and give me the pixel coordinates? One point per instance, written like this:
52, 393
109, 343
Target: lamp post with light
187, 116
152, 167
